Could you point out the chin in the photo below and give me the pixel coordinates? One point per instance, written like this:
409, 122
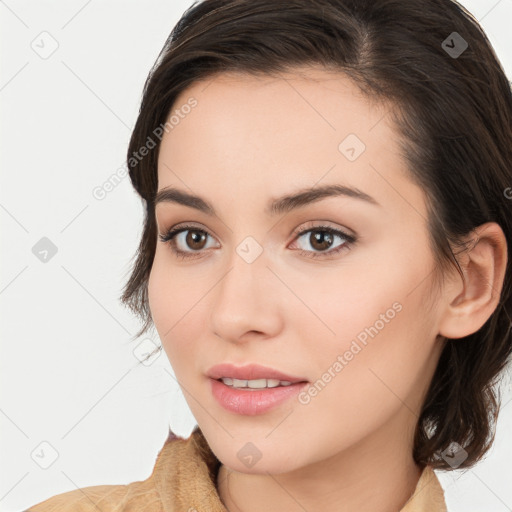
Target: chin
274, 467
258, 457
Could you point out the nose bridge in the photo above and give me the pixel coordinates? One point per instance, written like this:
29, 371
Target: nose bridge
244, 300
247, 268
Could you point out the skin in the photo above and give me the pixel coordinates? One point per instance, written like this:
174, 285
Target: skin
251, 139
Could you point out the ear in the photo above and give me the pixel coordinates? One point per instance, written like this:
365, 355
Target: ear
467, 306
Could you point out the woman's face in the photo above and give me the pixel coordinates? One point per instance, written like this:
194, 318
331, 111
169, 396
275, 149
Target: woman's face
356, 321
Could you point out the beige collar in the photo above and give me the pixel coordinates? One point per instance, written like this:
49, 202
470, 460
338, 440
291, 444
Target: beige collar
185, 475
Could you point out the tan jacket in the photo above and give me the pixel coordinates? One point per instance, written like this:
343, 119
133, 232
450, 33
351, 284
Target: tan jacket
184, 480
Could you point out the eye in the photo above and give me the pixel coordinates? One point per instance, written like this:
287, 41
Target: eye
322, 238
185, 235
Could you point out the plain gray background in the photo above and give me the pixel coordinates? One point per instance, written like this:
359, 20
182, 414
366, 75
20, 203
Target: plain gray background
74, 396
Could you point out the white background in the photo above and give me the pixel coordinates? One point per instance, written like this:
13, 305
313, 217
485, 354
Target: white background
68, 373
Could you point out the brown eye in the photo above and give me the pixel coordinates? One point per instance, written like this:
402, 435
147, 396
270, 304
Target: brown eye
185, 241
195, 239
320, 240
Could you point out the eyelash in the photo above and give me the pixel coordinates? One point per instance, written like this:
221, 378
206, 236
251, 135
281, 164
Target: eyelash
168, 237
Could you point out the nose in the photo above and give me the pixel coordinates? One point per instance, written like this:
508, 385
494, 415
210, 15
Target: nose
248, 300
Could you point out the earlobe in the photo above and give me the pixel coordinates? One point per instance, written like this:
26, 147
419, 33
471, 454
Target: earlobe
470, 304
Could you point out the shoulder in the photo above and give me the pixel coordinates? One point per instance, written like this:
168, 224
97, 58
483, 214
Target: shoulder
185, 470
428, 495
139, 495
107, 498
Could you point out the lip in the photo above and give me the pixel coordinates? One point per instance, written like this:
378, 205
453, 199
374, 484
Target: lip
250, 372
251, 402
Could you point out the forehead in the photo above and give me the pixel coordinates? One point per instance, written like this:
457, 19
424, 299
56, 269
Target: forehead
312, 98
276, 133
237, 113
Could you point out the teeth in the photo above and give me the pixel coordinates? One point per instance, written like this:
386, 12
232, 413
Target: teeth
255, 384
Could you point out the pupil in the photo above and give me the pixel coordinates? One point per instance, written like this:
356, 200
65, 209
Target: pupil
324, 238
194, 237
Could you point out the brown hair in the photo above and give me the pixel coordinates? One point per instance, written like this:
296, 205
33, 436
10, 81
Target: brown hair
453, 112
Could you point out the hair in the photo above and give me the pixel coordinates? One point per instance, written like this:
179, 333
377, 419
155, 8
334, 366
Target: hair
453, 116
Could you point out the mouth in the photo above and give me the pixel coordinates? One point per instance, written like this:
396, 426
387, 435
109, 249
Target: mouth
252, 389
251, 401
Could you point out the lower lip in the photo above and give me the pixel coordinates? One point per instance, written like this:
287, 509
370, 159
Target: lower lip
250, 401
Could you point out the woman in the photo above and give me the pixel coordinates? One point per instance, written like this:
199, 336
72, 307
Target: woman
325, 254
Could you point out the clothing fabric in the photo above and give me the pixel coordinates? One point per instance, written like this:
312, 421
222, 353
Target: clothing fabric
184, 480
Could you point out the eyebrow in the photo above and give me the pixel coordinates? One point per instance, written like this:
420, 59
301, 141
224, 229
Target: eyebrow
277, 206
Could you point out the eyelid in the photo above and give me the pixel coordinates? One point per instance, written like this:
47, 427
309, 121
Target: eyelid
324, 224
179, 228
333, 253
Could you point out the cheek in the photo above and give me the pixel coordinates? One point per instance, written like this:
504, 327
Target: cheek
176, 307
363, 300
159, 296
377, 337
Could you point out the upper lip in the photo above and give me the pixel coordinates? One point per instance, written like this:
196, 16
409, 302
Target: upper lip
250, 372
